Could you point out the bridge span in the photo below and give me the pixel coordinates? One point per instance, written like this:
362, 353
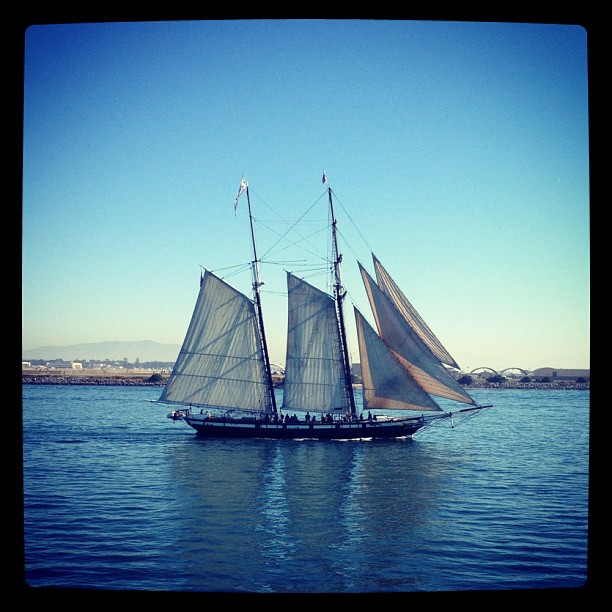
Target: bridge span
501, 372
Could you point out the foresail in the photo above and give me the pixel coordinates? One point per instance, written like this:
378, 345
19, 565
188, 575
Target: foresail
386, 384
314, 378
410, 349
390, 288
221, 361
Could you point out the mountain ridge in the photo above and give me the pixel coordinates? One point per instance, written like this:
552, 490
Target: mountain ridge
142, 350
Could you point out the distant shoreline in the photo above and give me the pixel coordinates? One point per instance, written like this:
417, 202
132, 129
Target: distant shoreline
142, 380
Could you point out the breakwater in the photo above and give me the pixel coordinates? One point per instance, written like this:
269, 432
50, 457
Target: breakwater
92, 380
562, 385
125, 380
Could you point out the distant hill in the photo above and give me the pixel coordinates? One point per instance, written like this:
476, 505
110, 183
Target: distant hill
145, 350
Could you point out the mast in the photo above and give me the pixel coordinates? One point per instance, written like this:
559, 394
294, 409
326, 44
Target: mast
256, 285
339, 294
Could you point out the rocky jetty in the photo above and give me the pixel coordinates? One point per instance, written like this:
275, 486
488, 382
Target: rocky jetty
157, 380
92, 380
560, 385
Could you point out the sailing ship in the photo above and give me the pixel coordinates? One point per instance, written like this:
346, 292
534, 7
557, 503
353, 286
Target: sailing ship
222, 380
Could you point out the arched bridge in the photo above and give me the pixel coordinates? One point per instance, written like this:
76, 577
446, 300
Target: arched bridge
483, 369
495, 372
525, 372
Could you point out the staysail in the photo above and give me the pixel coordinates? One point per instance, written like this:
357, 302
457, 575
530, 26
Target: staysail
314, 375
390, 288
386, 383
221, 362
408, 346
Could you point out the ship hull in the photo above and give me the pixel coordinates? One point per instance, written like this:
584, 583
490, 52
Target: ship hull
247, 428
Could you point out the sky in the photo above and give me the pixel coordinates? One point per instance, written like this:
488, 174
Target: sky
458, 153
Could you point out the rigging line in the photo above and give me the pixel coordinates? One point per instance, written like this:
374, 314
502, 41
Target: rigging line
291, 227
304, 222
298, 243
238, 269
352, 222
298, 262
291, 242
315, 274
243, 266
348, 245
300, 269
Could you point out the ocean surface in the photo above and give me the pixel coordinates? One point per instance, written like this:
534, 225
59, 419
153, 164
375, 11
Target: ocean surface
118, 497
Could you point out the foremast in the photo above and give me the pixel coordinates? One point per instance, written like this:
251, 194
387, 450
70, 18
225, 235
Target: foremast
339, 293
257, 295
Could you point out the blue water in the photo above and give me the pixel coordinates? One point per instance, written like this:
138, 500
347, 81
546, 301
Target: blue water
117, 496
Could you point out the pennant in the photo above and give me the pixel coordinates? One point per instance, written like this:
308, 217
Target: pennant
324, 179
243, 186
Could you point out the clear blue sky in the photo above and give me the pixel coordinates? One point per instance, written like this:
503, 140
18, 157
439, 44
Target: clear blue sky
459, 150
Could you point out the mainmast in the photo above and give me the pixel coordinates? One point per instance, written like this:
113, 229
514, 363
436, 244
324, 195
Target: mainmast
339, 294
256, 285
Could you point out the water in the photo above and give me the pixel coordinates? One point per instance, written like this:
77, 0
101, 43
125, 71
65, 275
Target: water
118, 497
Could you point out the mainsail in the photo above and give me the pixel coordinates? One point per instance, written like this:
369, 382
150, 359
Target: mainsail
221, 363
408, 346
386, 384
390, 288
314, 375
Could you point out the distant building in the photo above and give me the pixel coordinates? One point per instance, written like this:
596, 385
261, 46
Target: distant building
58, 364
561, 374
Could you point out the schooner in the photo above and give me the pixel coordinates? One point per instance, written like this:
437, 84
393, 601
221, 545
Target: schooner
222, 379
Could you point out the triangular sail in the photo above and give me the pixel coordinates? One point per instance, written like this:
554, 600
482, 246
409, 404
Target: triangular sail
314, 376
409, 348
390, 288
221, 363
386, 383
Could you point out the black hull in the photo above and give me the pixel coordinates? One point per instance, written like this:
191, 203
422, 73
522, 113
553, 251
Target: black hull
236, 428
